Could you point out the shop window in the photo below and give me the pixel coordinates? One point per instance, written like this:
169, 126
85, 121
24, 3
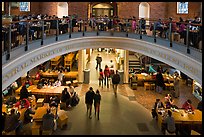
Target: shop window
24, 6
182, 7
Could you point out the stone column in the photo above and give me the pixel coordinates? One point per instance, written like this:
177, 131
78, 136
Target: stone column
126, 66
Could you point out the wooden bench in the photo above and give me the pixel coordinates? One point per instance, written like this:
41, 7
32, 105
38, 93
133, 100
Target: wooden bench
47, 132
36, 128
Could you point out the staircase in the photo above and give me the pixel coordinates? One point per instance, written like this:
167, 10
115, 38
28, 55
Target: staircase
134, 63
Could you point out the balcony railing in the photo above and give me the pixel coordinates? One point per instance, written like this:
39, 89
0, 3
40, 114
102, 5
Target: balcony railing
23, 33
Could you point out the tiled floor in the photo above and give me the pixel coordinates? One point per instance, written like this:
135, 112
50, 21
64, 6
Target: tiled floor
127, 114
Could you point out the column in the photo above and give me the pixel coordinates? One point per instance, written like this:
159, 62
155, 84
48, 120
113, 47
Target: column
126, 66
80, 66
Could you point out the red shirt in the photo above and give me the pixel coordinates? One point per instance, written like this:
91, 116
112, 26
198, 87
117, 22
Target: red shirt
26, 105
187, 106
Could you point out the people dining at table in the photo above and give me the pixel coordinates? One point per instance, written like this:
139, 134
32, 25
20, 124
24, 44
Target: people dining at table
23, 103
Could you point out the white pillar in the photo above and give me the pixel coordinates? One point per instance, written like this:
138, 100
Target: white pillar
126, 66
9, 9
80, 66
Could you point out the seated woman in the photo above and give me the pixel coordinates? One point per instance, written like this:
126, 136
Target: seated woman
188, 105
169, 101
157, 104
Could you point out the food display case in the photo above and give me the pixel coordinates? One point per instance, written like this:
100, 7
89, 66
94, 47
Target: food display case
197, 90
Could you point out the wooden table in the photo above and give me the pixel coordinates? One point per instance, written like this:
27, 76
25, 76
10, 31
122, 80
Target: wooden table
149, 78
182, 117
39, 113
52, 91
54, 74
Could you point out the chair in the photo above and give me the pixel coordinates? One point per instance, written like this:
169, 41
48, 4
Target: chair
75, 83
147, 86
63, 118
40, 102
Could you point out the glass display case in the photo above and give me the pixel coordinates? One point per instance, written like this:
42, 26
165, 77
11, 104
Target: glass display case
197, 90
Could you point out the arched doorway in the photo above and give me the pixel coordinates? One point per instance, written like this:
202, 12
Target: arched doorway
144, 10
102, 9
62, 9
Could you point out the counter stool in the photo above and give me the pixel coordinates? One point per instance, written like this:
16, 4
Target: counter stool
167, 133
147, 86
40, 102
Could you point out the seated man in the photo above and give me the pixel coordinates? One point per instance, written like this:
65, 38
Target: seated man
48, 121
12, 122
169, 123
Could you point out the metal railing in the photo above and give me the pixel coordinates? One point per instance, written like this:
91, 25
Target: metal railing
23, 33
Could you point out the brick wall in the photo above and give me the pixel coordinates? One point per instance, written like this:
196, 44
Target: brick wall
125, 9
79, 8
194, 10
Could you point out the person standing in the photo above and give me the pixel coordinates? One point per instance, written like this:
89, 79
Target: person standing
61, 77
101, 77
98, 61
89, 101
176, 85
115, 81
159, 81
65, 97
24, 92
97, 99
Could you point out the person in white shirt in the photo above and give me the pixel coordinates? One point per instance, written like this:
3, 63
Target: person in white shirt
60, 76
57, 83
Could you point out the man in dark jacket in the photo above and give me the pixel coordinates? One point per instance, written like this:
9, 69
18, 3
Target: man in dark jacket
48, 120
159, 82
12, 122
98, 61
89, 100
115, 81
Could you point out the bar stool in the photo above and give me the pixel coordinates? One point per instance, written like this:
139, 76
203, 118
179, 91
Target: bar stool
134, 86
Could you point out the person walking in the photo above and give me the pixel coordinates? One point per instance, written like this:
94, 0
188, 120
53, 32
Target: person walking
115, 81
98, 61
107, 74
89, 100
97, 99
101, 77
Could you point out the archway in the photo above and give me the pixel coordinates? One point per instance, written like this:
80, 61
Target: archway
144, 10
102, 9
62, 9
12, 71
